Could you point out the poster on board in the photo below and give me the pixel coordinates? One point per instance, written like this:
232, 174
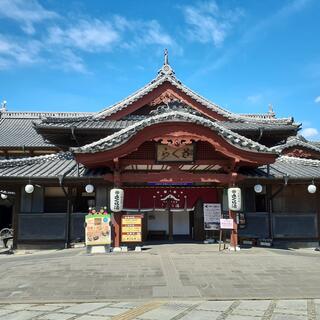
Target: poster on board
98, 231
212, 216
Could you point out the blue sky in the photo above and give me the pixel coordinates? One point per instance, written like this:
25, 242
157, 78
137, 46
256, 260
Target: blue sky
86, 55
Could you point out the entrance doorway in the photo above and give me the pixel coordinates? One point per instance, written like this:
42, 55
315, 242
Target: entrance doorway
5, 215
158, 225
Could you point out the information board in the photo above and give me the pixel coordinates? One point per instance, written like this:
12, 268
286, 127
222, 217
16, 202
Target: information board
131, 228
212, 216
98, 231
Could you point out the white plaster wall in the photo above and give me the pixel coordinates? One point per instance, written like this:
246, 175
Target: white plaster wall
159, 223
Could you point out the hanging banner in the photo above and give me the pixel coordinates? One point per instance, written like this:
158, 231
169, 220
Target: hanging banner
212, 216
116, 200
226, 223
98, 231
131, 228
234, 199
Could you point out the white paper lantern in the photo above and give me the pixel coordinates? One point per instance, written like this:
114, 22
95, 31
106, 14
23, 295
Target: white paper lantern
234, 199
89, 188
4, 196
116, 200
312, 188
258, 188
29, 188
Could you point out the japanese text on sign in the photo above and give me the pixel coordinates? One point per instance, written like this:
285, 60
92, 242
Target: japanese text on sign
116, 200
226, 223
234, 199
131, 226
212, 215
168, 153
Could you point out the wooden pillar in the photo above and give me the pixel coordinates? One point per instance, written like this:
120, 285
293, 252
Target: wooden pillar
116, 222
198, 228
170, 221
68, 217
233, 216
15, 216
116, 216
234, 231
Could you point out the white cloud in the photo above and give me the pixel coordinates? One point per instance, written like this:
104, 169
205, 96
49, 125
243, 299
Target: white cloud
89, 36
25, 12
317, 99
155, 35
251, 34
310, 132
13, 52
72, 62
208, 24
64, 42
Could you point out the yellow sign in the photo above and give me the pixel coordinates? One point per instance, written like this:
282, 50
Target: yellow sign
131, 238
166, 153
131, 226
131, 221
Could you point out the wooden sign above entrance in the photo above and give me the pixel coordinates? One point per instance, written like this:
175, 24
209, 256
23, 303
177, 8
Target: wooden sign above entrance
166, 153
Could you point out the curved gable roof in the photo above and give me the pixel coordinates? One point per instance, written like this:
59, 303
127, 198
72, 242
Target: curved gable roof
297, 141
166, 74
121, 137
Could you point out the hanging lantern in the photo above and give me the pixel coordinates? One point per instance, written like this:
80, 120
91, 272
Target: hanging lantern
3, 196
29, 188
89, 188
234, 199
258, 188
116, 200
312, 188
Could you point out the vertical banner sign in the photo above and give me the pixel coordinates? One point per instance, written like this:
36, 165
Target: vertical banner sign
116, 200
234, 199
98, 231
131, 228
212, 216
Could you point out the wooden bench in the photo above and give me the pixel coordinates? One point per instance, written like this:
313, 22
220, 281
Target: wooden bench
157, 235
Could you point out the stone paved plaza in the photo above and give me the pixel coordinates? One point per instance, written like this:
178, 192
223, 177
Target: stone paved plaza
165, 272
188, 271
165, 310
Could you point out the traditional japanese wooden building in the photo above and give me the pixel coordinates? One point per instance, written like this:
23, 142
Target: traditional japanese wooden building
162, 140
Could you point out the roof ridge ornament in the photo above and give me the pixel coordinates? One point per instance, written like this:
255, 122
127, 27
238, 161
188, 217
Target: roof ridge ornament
166, 68
271, 111
3, 106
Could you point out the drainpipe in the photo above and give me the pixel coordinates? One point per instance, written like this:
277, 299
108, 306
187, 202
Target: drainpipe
69, 205
74, 135
261, 130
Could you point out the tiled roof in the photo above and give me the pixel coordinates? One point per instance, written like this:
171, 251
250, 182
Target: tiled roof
254, 126
54, 165
102, 124
293, 167
49, 166
297, 141
17, 129
85, 124
124, 135
166, 74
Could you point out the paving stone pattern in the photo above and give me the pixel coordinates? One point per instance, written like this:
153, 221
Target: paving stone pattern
178, 271
308, 309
